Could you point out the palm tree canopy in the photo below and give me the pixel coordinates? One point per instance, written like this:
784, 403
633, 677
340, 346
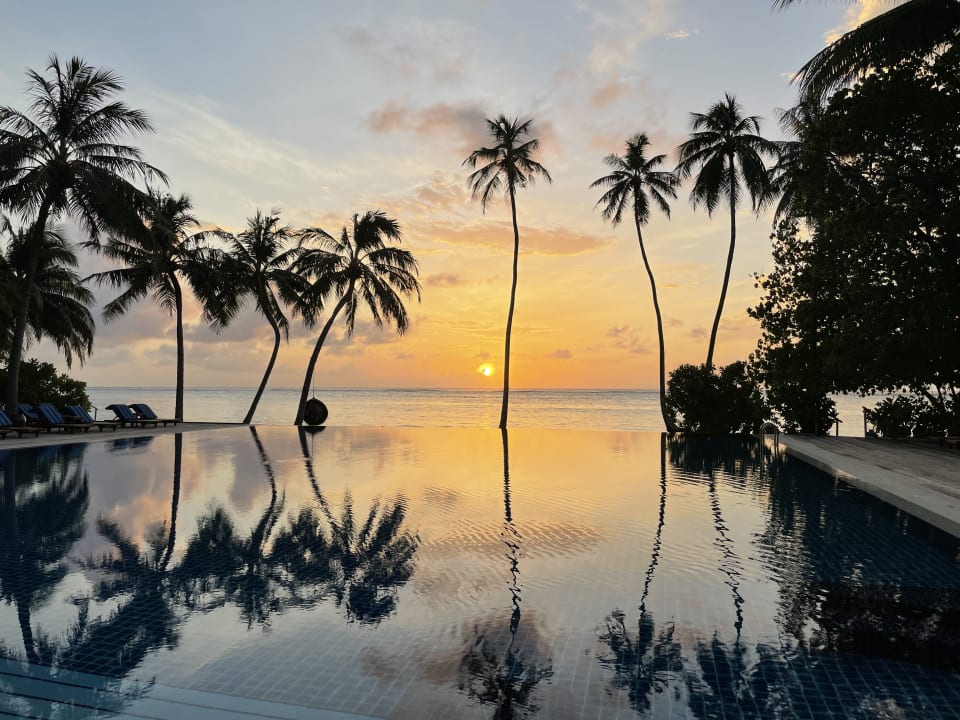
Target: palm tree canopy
634, 180
361, 268
63, 152
727, 148
916, 26
506, 165
258, 265
155, 254
60, 305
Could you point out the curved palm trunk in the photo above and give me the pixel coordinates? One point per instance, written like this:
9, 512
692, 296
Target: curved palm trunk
20, 325
513, 300
658, 537
316, 353
667, 420
266, 375
178, 295
726, 273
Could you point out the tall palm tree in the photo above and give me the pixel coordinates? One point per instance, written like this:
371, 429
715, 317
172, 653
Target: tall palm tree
634, 180
359, 268
61, 157
60, 307
155, 256
258, 266
915, 26
504, 167
728, 150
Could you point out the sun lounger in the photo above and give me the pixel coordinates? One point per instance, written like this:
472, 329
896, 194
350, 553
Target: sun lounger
145, 412
28, 411
51, 418
126, 416
7, 426
80, 412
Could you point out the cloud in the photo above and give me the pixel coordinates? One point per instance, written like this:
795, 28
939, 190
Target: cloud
698, 333
608, 93
855, 16
482, 356
673, 322
443, 279
560, 354
466, 122
416, 47
405, 356
617, 330
680, 34
628, 338
536, 241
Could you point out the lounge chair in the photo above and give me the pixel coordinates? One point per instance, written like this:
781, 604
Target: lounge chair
51, 418
7, 426
80, 412
29, 412
145, 412
126, 416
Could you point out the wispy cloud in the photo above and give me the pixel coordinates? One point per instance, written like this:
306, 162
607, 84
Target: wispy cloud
560, 354
855, 16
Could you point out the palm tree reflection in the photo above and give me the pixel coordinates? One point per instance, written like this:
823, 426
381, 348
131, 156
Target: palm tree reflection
45, 498
490, 674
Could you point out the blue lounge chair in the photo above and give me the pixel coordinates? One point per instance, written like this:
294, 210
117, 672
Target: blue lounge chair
29, 413
80, 412
7, 426
51, 418
145, 412
126, 416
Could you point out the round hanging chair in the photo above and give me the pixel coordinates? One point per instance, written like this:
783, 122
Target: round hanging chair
314, 412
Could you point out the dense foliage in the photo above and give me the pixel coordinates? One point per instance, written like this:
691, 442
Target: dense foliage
866, 297
716, 401
40, 382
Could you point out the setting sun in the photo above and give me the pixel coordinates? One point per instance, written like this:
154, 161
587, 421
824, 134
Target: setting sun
486, 369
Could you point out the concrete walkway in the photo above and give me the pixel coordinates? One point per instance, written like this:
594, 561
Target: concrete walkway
58, 437
922, 481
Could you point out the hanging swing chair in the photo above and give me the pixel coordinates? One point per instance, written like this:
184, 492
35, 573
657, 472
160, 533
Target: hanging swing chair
314, 412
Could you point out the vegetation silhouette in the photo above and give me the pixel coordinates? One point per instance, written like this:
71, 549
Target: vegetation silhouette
60, 308
633, 181
45, 497
505, 677
505, 167
913, 28
61, 158
258, 265
728, 150
359, 268
156, 254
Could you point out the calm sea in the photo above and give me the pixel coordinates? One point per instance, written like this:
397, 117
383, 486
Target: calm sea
587, 409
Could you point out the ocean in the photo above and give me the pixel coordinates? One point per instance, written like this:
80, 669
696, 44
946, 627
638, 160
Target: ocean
585, 409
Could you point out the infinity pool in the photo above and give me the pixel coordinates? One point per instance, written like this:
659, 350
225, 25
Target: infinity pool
459, 573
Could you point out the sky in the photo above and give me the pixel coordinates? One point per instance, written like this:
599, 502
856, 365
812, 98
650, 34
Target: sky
326, 109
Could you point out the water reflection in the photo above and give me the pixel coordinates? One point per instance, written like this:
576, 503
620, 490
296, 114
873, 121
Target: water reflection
491, 674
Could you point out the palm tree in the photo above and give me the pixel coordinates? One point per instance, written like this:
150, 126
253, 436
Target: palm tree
60, 307
632, 183
914, 27
727, 148
359, 268
62, 158
506, 166
258, 265
156, 255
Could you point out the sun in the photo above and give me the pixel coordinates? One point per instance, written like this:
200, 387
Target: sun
486, 369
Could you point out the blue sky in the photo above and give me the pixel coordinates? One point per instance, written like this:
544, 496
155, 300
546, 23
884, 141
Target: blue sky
323, 109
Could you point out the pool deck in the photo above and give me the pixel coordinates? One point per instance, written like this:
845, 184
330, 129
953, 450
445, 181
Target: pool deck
922, 481
58, 437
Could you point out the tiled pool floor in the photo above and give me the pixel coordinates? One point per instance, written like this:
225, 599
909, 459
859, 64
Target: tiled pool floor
412, 573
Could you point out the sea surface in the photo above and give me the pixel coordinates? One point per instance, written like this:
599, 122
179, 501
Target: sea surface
584, 409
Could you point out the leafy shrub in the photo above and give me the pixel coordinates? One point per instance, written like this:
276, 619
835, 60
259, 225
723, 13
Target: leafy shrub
802, 410
40, 382
907, 415
728, 400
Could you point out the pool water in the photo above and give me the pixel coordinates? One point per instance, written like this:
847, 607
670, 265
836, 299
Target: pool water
463, 573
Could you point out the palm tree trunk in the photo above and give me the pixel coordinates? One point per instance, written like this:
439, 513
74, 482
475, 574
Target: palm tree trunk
667, 420
316, 353
658, 537
266, 375
178, 298
20, 325
513, 300
726, 273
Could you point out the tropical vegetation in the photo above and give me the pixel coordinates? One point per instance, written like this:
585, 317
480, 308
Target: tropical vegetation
504, 167
63, 158
631, 185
